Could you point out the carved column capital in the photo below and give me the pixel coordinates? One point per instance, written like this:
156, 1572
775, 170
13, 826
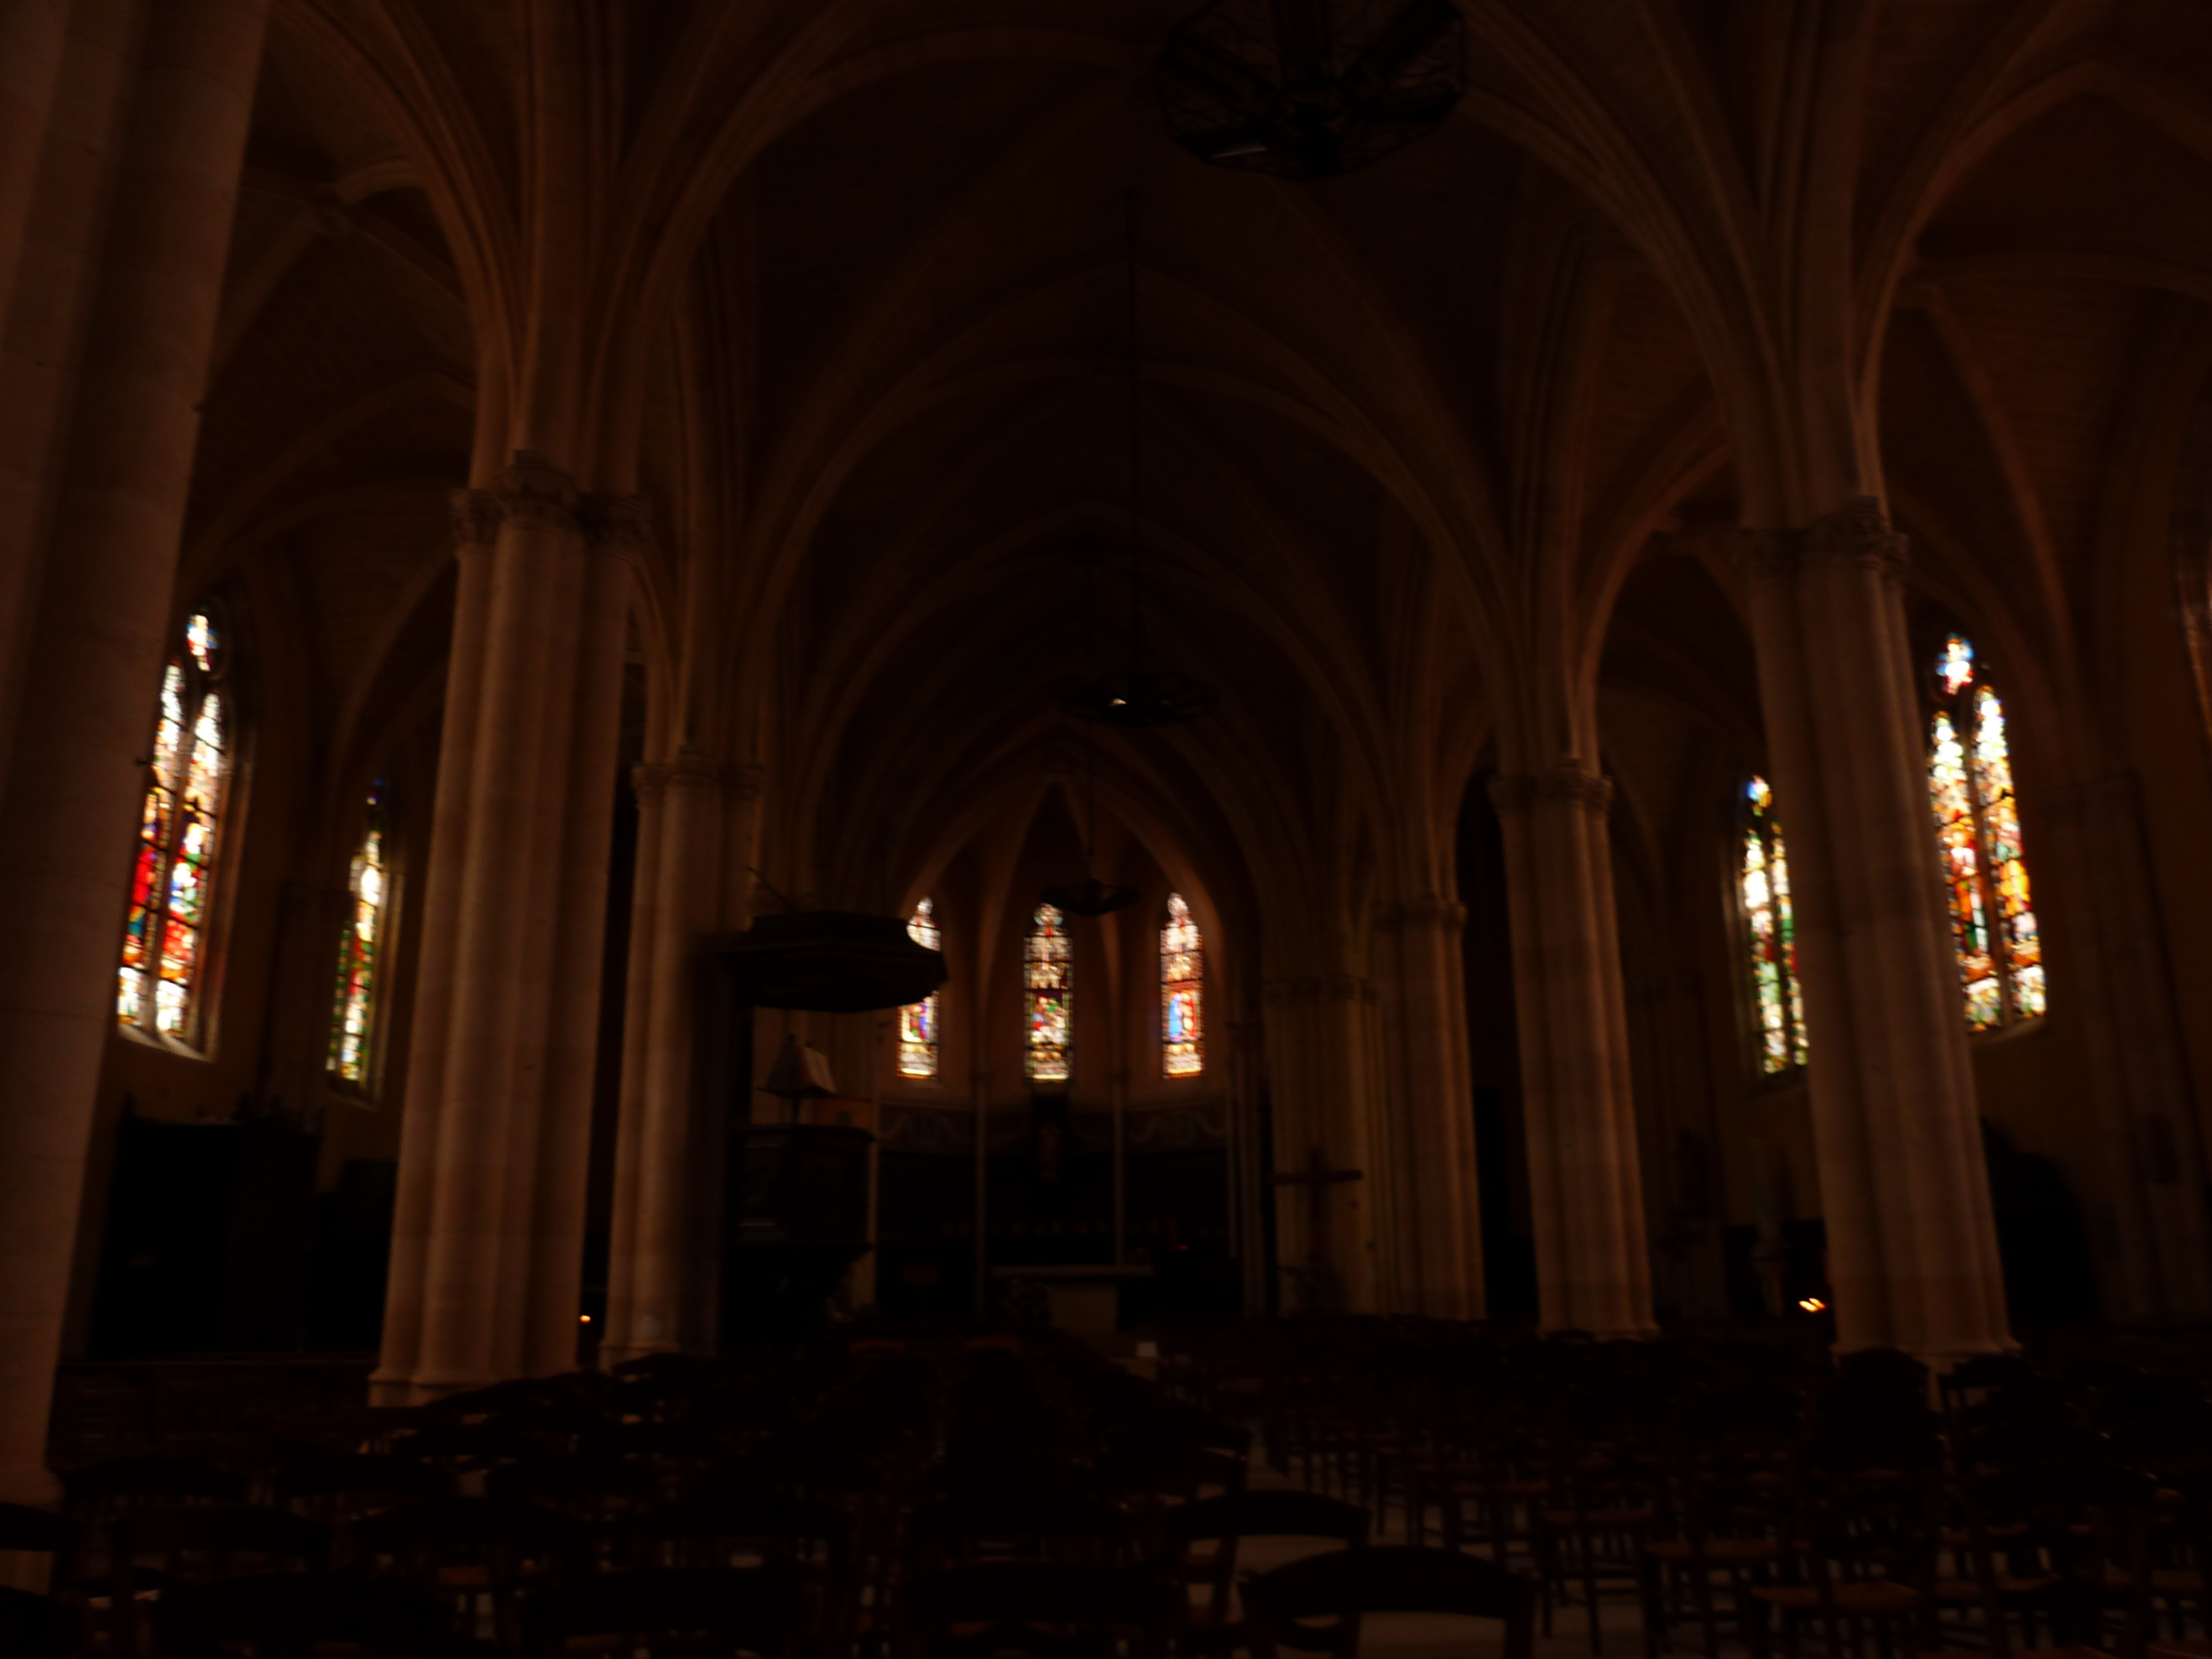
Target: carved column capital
534, 491
685, 769
1568, 785
1856, 533
1763, 555
1424, 910
619, 524
476, 516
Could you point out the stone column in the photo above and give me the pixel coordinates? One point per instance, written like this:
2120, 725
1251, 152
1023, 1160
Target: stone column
489, 1233
668, 1151
1247, 1083
1437, 1199
2154, 1158
1585, 1185
1913, 1251
94, 653
979, 1085
1318, 1056
475, 524
32, 33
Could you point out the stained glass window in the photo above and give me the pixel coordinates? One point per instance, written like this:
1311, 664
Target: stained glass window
173, 875
1993, 930
361, 951
1763, 885
1182, 993
1047, 969
917, 1021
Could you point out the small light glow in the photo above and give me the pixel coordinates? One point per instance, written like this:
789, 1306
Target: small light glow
583, 1319
1812, 1304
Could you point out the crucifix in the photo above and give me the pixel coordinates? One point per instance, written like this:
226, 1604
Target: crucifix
1315, 1177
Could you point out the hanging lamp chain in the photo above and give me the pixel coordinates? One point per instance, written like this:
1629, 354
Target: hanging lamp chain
1136, 447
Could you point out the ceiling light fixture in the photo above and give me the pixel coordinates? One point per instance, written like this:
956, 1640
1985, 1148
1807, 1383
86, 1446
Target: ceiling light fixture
1310, 89
1139, 695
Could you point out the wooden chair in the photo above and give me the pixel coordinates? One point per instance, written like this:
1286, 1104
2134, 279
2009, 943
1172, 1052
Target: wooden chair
338, 1492
1344, 1586
1592, 1529
1037, 1524
30, 1625
662, 1611
286, 1615
1725, 1526
2059, 1545
465, 1553
810, 1541
1224, 1522
96, 1497
28, 1531
1041, 1609
1864, 1557
595, 1489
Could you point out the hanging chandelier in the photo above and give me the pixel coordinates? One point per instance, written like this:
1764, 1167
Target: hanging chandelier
1310, 89
1140, 696
1142, 693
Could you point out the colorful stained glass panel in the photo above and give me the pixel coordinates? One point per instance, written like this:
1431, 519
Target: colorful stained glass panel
158, 981
1182, 992
1970, 782
918, 1032
1763, 891
360, 952
1048, 967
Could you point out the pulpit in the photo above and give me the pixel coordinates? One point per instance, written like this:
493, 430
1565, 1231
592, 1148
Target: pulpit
1083, 1300
799, 1222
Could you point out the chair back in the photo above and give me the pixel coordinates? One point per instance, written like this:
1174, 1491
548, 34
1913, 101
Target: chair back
282, 1615
1227, 1521
1346, 1585
663, 1611
1039, 1609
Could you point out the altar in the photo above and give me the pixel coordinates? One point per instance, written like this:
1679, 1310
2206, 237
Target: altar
1085, 1301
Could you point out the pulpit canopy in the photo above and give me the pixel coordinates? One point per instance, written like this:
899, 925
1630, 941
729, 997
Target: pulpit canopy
838, 962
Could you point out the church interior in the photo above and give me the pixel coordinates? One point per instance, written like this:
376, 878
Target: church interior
1309, 731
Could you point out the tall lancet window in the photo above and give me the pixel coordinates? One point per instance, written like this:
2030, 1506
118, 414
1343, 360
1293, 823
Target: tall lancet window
362, 952
1763, 885
160, 984
1182, 993
917, 1021
1993, 928
1048, 970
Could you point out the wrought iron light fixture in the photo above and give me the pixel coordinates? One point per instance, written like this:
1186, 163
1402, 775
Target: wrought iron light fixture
1310, 89
1090, 898
831, 961
1141, 694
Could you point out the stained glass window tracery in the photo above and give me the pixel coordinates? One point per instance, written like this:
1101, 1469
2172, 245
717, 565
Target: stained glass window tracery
1970, 784
361, 951
173, 876
1763, 885
917, 1021
1048, 971
1182, 992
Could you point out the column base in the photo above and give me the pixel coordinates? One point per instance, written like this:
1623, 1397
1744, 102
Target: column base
611, 1356
399, 1389
38, 1487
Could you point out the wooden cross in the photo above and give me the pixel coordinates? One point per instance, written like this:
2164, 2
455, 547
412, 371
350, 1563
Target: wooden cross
1314, 1178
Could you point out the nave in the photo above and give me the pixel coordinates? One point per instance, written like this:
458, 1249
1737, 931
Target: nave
1018, 1491
678, 679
